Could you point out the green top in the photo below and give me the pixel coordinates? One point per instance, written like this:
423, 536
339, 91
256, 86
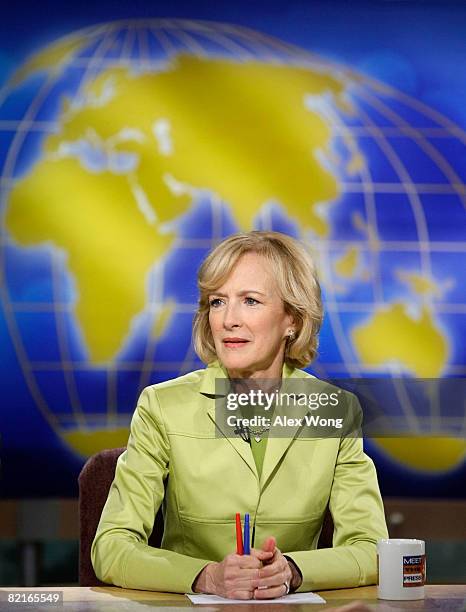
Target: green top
258, 448
258, 451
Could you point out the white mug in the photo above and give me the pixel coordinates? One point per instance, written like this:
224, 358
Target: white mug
401, 569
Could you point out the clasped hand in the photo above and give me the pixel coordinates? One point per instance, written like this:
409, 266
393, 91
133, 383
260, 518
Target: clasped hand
264, 574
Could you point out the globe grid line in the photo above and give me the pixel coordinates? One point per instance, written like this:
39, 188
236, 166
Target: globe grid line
143, 42
111, 374
415, 133
418, 212
406, 406
371, 215
106, 43
151, 309
18, 140
169, 366
423, 109
238, 51
156, 272
339, 335
14, 125
93, 67
287, 48
341, 338
440, 323
357, 187
437, 159
403, 188
152, 347
191, 43
62, 337
11, 322
386, 245
456, 186
266, 52
90, 32
231, 45
217, 235
166, 44
128, 41
406, 130
151, 344
448, 125
186, 308
428, 111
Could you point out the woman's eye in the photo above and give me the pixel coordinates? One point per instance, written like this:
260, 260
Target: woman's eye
251, 301
215, 302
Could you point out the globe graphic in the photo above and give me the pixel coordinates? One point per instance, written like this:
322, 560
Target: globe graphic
137, 146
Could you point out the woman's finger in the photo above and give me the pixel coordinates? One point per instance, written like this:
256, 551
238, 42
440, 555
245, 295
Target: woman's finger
277, 566
269, 544
276, 579
262, 555
245, 576
272, 593
240, 594
248, 562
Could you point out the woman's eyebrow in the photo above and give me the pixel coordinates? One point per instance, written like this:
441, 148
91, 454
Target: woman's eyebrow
244, 292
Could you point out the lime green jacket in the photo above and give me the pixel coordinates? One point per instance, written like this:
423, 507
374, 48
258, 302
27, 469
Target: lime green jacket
175, 458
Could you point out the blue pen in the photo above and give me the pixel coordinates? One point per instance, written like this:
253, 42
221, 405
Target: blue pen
246, 540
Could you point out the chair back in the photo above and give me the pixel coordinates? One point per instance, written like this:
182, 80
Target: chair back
94, 481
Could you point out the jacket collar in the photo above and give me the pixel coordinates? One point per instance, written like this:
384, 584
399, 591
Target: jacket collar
216, 370
212, 372
276, 446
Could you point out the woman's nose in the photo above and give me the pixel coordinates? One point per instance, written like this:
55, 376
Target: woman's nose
232, 316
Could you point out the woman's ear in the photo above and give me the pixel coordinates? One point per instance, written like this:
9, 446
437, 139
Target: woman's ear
291, 322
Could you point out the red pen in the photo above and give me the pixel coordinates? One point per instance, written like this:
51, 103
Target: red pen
239, 535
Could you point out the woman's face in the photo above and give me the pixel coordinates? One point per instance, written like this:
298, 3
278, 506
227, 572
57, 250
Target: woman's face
248, 321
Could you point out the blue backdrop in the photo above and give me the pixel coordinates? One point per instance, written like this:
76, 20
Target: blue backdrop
133, 137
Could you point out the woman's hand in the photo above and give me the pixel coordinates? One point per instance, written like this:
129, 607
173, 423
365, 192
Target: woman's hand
264, 574
236, 577
276, 575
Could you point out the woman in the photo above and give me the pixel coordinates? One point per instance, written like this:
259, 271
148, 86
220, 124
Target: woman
258, 318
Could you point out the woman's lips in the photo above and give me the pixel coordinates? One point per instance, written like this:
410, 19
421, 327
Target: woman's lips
235, 342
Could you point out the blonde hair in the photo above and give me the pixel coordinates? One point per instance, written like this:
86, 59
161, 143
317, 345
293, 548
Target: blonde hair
297, 284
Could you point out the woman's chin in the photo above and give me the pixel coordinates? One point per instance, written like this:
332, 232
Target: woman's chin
234, 364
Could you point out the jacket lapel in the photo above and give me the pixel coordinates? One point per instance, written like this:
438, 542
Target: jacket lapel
277, 443
241, 447
207, 388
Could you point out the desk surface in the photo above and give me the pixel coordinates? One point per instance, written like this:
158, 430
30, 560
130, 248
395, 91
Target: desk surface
80, 599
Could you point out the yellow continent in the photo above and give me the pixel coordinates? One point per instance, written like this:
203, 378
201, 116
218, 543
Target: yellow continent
239, 130
108, 244
346, 266
433, 454
419, 346
393, 335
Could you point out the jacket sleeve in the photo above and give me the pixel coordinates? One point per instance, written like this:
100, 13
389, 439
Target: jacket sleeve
120, 553
359, 521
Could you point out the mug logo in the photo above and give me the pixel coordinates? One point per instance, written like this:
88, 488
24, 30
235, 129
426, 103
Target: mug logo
414, 570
